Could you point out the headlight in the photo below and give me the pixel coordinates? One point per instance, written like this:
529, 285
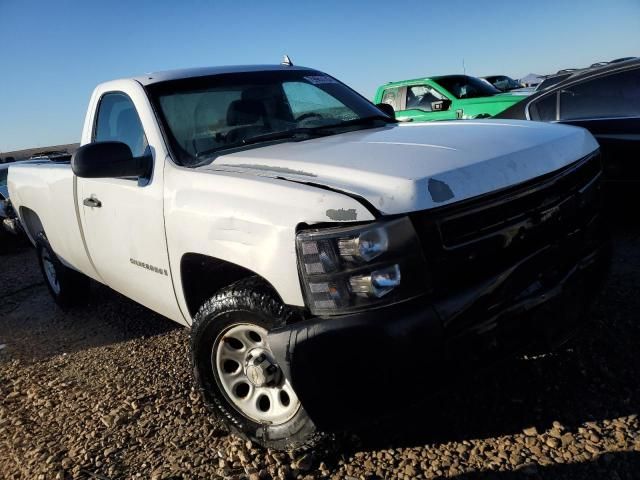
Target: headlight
350, 268
366, 246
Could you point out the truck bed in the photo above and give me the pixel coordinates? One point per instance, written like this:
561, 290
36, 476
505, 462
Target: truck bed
50, 190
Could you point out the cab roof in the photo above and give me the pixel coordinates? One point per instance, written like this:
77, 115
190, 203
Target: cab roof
168, 75
434, 78
569, 78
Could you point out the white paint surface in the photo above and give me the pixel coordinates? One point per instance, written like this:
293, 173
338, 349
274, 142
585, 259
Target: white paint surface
391, 166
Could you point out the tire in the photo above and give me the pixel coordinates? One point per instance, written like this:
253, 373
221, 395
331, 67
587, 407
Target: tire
67, 286
5, 241
239, 311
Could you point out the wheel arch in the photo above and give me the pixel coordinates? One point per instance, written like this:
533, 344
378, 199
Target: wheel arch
202, 276
31, 223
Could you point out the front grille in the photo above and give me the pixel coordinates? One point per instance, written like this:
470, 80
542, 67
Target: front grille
481, 237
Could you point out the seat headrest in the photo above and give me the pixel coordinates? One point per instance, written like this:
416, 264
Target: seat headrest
245, 112
256, 93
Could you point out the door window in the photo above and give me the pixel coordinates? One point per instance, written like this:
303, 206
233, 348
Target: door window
118, 121
391, 96
421, 96
544, 108
616, 95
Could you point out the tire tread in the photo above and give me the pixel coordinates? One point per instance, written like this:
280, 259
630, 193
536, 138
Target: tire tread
252, 293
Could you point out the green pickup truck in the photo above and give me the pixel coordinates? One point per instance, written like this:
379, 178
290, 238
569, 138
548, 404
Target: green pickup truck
447, 97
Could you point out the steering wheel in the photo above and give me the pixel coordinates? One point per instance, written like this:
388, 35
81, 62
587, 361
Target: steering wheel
308, 116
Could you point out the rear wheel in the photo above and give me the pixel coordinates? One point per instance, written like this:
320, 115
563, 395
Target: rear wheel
237, 373
67, 286
5, 240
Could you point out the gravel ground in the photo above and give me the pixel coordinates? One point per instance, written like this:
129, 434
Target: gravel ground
104, 392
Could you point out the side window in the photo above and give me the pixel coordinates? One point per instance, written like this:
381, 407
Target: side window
420, 97
616, 95
391, 96
544, 109
118, 121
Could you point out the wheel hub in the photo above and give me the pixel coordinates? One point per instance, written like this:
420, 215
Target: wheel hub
249, 375
260, 369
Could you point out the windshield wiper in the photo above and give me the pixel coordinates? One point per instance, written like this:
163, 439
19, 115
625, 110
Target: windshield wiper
319, 130
264, 137
282, 135
358, 121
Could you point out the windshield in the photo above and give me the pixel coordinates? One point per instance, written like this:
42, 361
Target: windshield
205, 116
462, 86
504, 83
3, 177
551, 81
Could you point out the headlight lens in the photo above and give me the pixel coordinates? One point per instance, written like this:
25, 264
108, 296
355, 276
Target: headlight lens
364, 247
378, 283
349, 268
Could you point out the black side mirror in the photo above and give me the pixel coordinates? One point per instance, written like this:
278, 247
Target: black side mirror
109, 160
387, 109
440, 105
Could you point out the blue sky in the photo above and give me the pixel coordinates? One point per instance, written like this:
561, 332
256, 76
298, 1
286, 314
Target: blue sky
53, 53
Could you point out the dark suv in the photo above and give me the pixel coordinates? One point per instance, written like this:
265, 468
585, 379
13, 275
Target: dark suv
605, 101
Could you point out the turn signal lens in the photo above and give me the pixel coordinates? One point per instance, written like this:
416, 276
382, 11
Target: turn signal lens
319, 257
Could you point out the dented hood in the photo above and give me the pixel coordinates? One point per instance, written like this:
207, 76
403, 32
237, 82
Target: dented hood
418, 166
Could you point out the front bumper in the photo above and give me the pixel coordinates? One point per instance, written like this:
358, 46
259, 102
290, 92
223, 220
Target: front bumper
346, 369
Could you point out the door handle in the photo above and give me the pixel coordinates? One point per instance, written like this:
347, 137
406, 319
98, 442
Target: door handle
92, 202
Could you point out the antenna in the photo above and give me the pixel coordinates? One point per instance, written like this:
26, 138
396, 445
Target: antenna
464, 69
286, 61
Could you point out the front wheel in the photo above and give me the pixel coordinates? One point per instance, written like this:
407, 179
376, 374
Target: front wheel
237, 373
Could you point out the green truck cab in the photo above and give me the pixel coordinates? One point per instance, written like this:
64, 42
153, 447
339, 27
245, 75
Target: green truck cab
448, 97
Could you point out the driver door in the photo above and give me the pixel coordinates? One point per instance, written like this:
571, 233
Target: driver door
417, 102
122, 218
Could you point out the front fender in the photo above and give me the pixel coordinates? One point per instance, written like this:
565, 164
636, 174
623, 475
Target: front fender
249, 221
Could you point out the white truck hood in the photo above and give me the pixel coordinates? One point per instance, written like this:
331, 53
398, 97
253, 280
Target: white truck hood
418, 166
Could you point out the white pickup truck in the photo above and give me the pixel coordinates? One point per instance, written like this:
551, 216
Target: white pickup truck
330, 262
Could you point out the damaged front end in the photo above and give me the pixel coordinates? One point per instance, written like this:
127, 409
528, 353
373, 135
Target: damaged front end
494, 275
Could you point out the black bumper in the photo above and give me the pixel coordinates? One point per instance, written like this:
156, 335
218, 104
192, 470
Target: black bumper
346, 369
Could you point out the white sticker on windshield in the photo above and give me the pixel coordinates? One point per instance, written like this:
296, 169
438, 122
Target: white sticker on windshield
320, 79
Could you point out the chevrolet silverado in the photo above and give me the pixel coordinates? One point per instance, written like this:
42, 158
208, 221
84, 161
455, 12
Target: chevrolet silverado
329, 261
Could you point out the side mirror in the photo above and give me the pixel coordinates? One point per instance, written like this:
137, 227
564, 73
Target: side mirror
109, 160
387, 109
440, 105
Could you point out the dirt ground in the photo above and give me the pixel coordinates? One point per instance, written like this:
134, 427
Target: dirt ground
104, 392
